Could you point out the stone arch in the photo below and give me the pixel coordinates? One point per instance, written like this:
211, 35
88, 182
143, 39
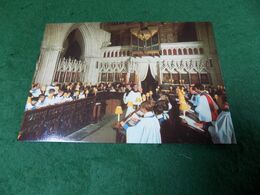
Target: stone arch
185, 51
87, 34
74, 45
190, 51
196, 51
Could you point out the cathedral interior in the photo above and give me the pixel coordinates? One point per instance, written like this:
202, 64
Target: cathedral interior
151, 55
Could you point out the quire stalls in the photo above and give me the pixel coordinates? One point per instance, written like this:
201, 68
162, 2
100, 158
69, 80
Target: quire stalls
63, 119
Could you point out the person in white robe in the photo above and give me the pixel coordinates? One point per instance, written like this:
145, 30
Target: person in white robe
222, 131
52, 86
147, 130
133, 100
67, 97
127, 91
35, 91
40, 102
194, 100
59, 97
82, 95
203, 108
31, 103
50, 99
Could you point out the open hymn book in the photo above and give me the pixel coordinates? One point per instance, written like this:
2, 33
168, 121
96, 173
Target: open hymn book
134, 119
191, 122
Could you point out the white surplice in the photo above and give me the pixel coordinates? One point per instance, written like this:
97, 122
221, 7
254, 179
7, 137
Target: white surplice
49, 101
203, 109
132, 97
147, 131
223, 131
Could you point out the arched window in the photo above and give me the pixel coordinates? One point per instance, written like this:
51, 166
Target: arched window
112, 54
160, 52
179, 52
169, 52
124, 54
185, 51
201, 51
164, 52
174, 52
72, 54
128, 53
104, 54
120, 53
190, 51
116, 54
195, 51
108, 54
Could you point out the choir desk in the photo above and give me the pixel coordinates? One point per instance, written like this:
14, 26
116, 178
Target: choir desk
63, 119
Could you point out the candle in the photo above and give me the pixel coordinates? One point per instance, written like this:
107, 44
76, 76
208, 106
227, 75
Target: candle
143, 97
118, 111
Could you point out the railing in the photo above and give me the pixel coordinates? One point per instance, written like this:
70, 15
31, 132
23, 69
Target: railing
182, 48
63, 119
69, 70
116, 51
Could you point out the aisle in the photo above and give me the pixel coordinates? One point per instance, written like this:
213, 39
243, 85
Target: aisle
101, 132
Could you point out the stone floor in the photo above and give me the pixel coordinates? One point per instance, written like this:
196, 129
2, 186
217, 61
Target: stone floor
101, 132
171, 132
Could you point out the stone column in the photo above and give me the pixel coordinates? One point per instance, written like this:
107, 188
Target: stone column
215, 73
91, 74
127, 77
47, 65
159, 74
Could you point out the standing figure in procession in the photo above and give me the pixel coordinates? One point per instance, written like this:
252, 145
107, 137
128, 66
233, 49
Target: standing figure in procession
133, 99
206, 108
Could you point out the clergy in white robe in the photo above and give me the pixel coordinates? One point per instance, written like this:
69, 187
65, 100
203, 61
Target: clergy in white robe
222, 132
205, 108
127, 91
147, 130
133, 99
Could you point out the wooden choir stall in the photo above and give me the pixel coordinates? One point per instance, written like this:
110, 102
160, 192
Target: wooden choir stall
63, 119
